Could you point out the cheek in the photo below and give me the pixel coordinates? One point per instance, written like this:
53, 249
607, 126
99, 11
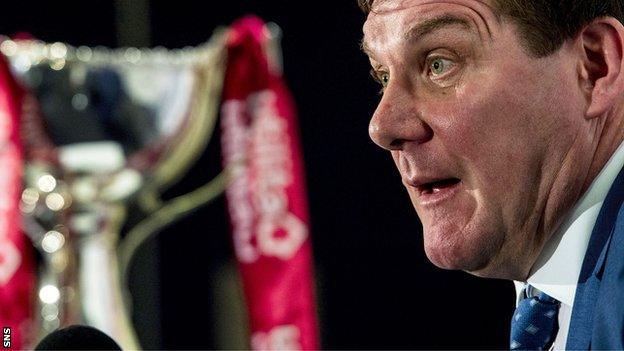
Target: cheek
505, 118
515, 106
483, 133
499, 132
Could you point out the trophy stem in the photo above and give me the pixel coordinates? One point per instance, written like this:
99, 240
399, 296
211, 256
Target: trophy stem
100, 286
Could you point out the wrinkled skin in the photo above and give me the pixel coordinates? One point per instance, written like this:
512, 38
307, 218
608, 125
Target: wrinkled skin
463, 99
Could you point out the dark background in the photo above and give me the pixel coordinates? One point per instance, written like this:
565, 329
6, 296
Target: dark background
376, 288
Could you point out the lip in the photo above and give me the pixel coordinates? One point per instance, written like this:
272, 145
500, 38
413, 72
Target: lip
427, 196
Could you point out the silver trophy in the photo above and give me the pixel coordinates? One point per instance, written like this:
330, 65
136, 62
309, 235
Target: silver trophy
102, 127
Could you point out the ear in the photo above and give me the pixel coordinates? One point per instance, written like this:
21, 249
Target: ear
602, 69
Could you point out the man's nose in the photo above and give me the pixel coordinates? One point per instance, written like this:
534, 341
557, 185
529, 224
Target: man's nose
397, 121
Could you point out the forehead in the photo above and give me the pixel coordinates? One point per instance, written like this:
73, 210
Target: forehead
380, 6
390, 21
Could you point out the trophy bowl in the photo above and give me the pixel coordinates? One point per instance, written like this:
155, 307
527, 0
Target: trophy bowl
101, 127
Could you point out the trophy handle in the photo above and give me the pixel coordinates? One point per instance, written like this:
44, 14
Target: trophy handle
168, 214
193, 141
197, 131
274, 47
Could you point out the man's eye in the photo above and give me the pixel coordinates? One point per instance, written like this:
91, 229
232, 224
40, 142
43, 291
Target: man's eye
382, 78
439, 66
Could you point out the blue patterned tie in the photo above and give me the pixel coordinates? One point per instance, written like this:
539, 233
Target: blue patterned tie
534, 324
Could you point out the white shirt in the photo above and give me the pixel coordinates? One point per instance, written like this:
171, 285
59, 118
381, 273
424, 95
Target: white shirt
558, 267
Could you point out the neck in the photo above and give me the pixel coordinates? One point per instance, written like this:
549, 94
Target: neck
609, 135
604, 137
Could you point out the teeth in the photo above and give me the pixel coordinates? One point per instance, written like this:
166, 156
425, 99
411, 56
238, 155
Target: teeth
435, 190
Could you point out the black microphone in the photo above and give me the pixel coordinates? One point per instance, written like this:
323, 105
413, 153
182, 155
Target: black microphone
77, 337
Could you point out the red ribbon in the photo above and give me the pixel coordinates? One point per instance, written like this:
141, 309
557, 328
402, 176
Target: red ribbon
266, 200
17, 267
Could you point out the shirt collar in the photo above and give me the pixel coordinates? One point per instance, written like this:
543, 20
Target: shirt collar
557, 269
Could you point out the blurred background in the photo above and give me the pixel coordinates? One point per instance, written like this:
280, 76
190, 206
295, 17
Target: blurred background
375, 287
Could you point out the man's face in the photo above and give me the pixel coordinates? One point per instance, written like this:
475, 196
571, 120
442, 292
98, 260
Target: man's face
489, 140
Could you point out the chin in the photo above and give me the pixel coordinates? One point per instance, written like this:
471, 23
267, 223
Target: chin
455, 260
461, 252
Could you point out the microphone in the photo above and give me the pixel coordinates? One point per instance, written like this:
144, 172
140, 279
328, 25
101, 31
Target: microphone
77, 337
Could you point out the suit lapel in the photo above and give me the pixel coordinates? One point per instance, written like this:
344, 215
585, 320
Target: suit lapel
609, 310
589, 288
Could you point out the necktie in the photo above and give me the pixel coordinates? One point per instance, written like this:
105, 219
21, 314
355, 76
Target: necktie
534, 324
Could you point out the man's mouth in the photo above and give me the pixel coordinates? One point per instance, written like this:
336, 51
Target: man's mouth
437, 186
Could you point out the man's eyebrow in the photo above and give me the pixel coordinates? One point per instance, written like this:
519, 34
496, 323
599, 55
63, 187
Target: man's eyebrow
427, 27
365, 48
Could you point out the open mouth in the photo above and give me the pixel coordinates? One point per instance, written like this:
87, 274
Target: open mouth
437, 186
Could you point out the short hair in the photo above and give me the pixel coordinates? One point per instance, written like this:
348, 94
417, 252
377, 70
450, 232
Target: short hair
546, 24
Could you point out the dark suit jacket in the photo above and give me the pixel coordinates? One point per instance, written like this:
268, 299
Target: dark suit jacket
598, 313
